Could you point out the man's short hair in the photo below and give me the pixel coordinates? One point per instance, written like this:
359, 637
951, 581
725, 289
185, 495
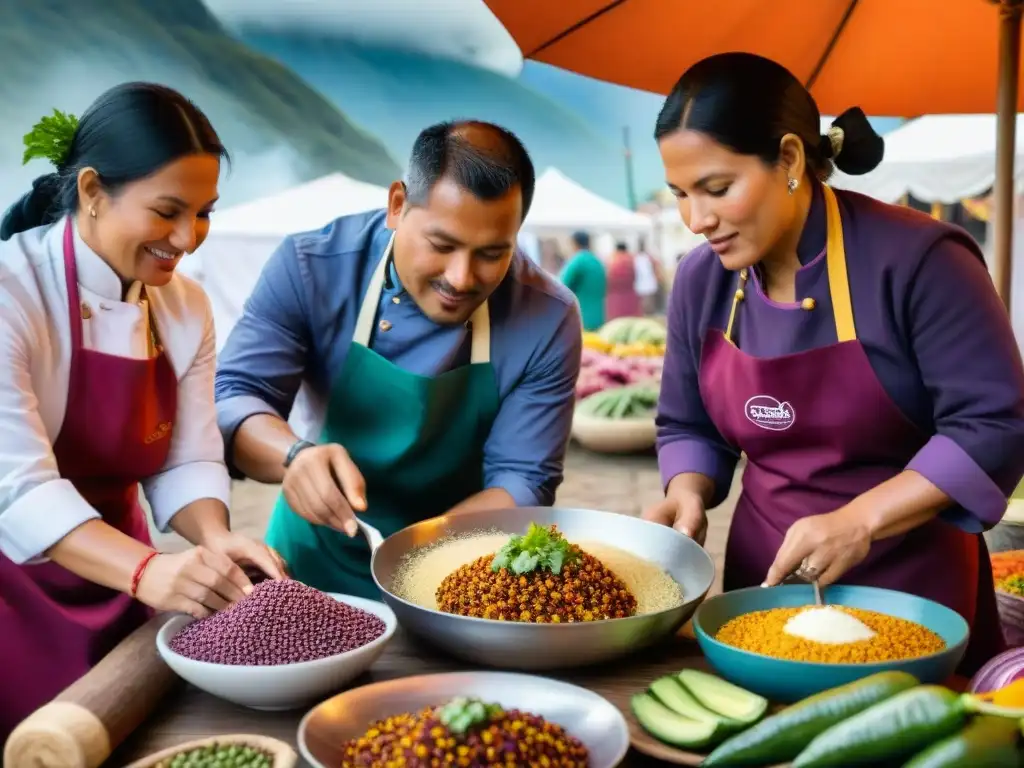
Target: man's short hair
581, 240
484, 159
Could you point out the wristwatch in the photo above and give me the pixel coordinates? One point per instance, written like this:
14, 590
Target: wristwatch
298, 447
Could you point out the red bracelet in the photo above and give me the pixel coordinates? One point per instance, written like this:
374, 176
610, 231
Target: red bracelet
139, 570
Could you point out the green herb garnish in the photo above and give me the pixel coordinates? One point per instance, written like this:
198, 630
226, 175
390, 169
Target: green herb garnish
460, 714
539, 548
51, 138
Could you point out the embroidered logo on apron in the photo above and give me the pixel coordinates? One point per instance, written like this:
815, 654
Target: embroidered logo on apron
769, 413
161, 432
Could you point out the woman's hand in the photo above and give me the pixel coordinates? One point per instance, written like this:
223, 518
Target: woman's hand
196, 581
245, 551
823, 547
683, 511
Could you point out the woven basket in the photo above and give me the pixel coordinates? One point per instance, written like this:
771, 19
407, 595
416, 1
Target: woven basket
284, 756
1011, 616
614, 435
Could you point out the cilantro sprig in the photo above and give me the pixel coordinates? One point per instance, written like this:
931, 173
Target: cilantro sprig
461, 713
539, 548
51, 138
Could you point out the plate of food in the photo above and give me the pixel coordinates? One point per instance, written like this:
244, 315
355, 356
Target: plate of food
464, 718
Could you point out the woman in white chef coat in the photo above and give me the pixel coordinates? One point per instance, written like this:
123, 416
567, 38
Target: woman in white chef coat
106, 381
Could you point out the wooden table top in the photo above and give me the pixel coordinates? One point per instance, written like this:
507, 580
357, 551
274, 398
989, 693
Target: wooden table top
193, 714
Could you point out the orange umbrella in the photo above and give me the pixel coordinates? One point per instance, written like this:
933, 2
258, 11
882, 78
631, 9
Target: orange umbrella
899, 58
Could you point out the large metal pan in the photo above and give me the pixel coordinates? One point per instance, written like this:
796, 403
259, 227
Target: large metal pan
525, 646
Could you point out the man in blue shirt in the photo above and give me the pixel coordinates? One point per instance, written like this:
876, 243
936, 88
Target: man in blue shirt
437, 364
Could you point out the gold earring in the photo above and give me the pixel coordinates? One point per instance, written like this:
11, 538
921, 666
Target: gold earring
92, 211
792, 184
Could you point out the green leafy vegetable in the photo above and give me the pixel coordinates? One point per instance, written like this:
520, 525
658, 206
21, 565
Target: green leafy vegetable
539, 548
460, 714
50, 138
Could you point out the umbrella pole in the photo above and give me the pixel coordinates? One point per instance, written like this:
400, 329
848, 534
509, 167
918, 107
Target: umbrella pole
1006, 136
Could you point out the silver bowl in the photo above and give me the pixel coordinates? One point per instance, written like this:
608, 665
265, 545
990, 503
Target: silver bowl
527, 646
584, 714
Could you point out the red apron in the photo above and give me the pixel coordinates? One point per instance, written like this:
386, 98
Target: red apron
116, 432
819, 430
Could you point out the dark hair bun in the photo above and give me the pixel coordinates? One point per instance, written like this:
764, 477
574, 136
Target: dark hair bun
33, 209
861, 150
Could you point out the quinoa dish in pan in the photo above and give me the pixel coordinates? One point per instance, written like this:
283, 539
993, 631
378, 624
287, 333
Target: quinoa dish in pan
538, 577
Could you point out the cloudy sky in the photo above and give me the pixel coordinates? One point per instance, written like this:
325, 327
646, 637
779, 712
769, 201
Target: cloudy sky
460, 29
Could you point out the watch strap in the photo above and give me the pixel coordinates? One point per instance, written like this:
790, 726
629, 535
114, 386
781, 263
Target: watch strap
295, 450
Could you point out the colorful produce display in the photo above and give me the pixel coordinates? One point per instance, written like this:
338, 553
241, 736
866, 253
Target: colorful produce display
279, 622
465, 732
634, 330
538, 577
1007, 564
885, 719
219, 756
628, 402
599, 372
772, 633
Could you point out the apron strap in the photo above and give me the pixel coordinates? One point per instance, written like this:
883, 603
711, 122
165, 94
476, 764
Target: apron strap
838, 278
481, 319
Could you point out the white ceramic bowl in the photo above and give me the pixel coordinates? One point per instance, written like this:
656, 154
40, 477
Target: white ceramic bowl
614, 435
284, 686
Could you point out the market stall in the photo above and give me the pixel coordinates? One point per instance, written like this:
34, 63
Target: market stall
617, 391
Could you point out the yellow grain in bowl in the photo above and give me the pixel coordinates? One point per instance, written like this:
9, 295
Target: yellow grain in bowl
894, 639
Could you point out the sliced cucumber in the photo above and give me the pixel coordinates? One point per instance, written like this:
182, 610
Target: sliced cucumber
670, 692
669, 727
723, 697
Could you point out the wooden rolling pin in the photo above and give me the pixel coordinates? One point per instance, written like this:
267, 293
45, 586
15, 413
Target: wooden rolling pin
82, 726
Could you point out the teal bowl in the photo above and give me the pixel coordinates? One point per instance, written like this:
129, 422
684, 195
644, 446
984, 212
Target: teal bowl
786, 681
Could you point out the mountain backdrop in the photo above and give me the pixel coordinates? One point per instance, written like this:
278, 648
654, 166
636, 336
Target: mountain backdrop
294, 102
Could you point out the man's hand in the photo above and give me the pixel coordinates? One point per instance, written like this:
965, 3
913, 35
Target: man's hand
324, 486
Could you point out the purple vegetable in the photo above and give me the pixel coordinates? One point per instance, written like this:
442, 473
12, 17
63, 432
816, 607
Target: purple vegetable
999, 672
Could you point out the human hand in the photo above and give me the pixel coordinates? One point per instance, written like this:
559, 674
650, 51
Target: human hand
196, 581
682, 511
245, 551
324, 486
823, 547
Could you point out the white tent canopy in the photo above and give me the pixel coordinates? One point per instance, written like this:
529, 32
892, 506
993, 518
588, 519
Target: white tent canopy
560, 205
937, 158
302, 208
244, 237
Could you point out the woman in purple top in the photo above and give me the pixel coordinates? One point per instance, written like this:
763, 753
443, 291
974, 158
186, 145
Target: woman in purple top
856, 352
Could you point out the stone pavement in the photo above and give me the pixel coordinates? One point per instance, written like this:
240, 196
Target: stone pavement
623, 484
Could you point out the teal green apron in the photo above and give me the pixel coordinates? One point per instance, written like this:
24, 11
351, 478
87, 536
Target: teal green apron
417, 440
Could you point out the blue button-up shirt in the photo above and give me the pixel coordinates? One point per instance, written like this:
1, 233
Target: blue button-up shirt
297, 326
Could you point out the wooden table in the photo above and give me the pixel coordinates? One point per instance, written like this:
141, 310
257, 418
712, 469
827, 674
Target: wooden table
192, 714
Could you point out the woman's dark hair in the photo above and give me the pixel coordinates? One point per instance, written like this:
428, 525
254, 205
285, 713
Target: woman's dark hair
748, 103
130, 132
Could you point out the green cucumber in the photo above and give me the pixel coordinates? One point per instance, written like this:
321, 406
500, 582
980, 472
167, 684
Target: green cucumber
669, 727
891, 730
781, 737
987, 742
722, 697
670, 692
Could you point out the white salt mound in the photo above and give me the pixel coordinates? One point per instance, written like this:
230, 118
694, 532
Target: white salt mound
828, 625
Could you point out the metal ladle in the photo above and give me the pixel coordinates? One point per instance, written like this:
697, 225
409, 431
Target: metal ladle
807, 576
373, 537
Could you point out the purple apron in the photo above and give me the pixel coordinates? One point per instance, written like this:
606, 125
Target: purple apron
818, 430
116, 432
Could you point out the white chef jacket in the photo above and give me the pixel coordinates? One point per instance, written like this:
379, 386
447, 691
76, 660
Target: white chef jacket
37, 507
